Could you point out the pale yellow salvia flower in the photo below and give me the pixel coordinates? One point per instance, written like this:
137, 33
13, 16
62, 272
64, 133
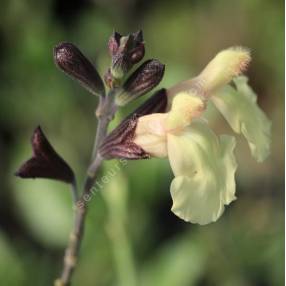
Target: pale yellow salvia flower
204, 164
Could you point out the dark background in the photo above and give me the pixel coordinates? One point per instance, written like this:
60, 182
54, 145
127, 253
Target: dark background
132, 238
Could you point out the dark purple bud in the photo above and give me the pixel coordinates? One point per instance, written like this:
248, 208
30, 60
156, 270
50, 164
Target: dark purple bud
138, 36
114, 43
45, 162
70, 60
137, 54
144, 79
119, 143
125, 51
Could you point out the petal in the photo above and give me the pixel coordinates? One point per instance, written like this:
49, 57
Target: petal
219, 71
240, 109
185, 106
192, 201
150, 134
223, 67
204, 167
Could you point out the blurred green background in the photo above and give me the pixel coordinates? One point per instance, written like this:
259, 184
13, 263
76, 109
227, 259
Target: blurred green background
132, 238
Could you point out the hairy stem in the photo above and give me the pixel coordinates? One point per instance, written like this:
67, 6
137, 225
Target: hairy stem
74, 192
105, 113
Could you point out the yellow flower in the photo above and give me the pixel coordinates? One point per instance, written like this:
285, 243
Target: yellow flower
204, 164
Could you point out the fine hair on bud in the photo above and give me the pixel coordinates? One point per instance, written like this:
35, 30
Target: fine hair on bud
71, 60
144, 79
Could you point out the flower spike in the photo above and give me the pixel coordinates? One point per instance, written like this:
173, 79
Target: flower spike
204, 164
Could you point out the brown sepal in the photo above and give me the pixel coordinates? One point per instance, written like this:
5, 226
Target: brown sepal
45, 162
119, 143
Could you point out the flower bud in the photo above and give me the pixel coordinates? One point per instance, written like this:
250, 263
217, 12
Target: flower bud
125, 52
45, 162
120, 142
137, 54
70, 60
144, 79
113, 43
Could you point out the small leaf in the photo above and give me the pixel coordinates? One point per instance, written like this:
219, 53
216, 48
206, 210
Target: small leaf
70, 60
119, 143
45, 163
144, 79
